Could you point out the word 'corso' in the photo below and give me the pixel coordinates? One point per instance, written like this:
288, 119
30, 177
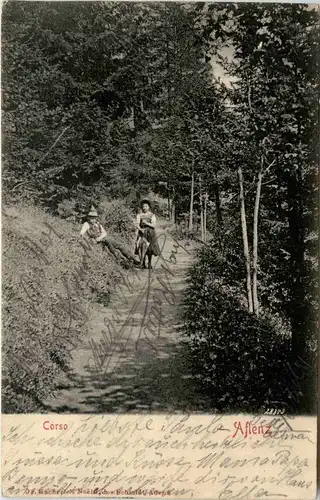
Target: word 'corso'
246, 429
50, 426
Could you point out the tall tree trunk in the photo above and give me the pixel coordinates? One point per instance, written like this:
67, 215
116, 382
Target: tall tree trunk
205, 217
201, 209
173, 206
169, 106
191, 202
255, 244
245, 240
255, 235
279, 199
217, 202
298, 310
169, 207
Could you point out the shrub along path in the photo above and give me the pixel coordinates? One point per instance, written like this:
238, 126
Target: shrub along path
134, 359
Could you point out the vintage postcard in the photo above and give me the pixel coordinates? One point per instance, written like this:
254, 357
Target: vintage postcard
159, 249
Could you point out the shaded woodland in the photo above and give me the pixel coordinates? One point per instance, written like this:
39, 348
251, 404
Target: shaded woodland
118, 100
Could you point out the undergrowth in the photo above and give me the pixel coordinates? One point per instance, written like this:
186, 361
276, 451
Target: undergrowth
245, 362
51, 284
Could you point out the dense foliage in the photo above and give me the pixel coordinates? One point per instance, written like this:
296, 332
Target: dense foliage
118, 99
245, 362
94, 94
273, 98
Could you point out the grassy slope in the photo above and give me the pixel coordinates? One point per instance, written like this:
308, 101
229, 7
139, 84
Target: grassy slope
45, 300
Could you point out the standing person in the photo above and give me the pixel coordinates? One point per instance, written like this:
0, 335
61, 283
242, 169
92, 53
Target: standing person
146, 243
93, 229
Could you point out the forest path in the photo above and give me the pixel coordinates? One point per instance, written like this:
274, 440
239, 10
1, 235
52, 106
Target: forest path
134, 358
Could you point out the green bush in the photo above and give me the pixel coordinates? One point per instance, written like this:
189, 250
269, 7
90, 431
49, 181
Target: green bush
118, 218
67, 209
181, 232
243, 361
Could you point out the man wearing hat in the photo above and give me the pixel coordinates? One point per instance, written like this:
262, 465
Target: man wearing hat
94, 230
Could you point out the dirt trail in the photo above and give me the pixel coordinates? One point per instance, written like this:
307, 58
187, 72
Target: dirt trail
134, 358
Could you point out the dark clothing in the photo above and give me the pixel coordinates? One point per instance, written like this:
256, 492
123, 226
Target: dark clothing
150, 235
113, 246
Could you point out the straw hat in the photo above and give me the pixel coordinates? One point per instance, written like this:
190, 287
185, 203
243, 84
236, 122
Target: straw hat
93, 212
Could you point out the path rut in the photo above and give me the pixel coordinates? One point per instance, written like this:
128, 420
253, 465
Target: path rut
134, 358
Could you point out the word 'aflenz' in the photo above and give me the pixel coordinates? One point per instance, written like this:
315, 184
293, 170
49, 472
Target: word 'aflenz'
246, 429
50, 426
